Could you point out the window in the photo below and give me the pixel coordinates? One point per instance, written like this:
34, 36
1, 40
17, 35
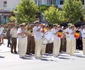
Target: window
50, 2
5, 3
54, 2
39, 2
61, 2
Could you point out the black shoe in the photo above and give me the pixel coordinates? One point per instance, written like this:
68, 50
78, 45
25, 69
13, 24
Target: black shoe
11, 51
15, 52
25, 57
22, 57
1, 56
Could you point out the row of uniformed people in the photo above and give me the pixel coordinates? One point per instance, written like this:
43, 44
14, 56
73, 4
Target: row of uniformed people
43, 36
72, 35
70, 40
79, 33
54, 34
21, 34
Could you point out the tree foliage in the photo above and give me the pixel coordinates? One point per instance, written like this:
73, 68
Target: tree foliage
53, 15
73, 10
12, 18
26, 11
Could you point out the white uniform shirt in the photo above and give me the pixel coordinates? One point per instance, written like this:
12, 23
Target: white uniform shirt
83, 33
71, 34
48, 35
13, 33
37, 34
41, 32
67, 30
1, 30
19, 36
55, 37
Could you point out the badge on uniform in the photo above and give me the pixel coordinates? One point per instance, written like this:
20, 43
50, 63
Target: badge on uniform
77, 34
43, 30
60, 34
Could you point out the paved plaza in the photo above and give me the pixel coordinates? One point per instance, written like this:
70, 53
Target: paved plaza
64, 61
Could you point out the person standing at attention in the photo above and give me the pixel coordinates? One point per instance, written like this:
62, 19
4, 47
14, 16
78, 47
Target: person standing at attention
14, 39
8, 37
38, 40
68, 39
22, 41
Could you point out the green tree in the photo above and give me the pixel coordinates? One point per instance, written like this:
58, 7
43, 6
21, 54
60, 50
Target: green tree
73, 10
26, 11
53, 15
12, 18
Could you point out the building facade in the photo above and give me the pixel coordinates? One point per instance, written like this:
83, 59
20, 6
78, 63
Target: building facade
49, 2
7, 5
58, 3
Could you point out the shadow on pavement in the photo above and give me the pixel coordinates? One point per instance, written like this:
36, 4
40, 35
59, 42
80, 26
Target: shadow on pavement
27, 58
2, 57
62, 57
44, 59
80, 56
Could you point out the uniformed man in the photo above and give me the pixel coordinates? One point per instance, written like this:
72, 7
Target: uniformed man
22, 40
83, 39
48, 39
72, 44
43, 32
56, 41
38, 40
67, 33
14, 39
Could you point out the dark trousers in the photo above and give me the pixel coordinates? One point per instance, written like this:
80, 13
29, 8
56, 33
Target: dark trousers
63, 45
8, 43
31, 45
14, 43
79, 43
49, 48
